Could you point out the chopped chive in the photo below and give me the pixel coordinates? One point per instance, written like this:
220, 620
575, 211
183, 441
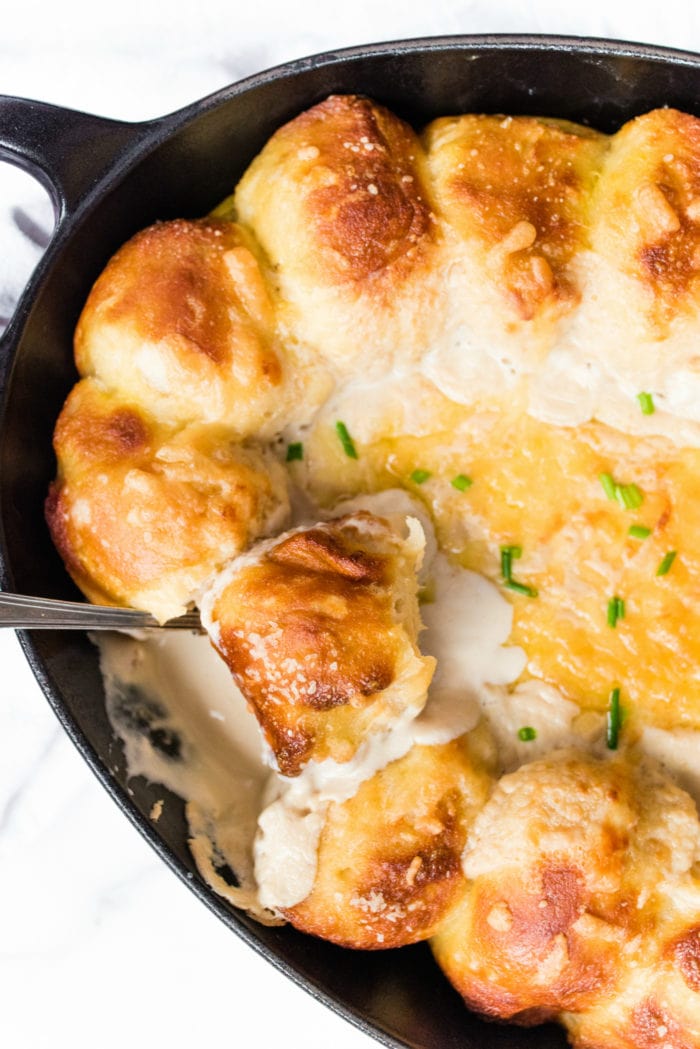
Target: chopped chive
646, 403
295, 452
614, 719
346, 440
508, 555
527, 733
420, 476
520, 588
461, 482
629, 496
616, 610
609, 486
666, 562
639, 531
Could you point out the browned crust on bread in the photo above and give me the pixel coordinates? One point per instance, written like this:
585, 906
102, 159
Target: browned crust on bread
181, 322
369, 210
562, 914
669, 255
531, 953
389, 860
324, 553
652, 1027
311, 635
685, 953
172, 279
375, 212
137, 505
647, 210
519, 186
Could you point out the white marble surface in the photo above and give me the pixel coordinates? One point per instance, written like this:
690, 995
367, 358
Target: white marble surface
100, 946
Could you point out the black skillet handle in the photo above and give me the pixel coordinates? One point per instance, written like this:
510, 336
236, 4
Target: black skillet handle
67, 151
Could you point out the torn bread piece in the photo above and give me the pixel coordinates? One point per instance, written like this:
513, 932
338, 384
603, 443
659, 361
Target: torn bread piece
319, 628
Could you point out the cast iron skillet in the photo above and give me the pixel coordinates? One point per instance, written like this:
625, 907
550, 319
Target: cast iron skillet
108, 179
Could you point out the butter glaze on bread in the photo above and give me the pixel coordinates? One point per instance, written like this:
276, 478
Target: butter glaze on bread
319, 630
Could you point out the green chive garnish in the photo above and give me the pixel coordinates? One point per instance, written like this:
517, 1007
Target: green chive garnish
295, 452
420, 476
461, 482
520, 588
629, 496
508, 555
665, 566
346, 440
646, 403
639, 531
614, 719
616, 610
609, 486
527, 733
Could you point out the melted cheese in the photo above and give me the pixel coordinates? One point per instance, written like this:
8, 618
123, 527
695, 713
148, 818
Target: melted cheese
538, 486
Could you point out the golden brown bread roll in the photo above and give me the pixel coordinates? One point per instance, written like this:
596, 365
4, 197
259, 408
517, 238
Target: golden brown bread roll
515, 190
512, 196
143, 514
571, 866
657, 996
319, 630
338, 201
389, 858
635, 328
181, 322
646, 213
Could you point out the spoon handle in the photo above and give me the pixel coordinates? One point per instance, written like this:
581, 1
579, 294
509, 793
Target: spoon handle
43, 613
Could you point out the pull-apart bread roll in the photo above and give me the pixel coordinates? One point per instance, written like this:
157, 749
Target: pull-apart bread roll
181, 323
319, 630
338, 202
636, 326
142, 514
656, 1003
514, 194
390, 858
646, 222
576, 867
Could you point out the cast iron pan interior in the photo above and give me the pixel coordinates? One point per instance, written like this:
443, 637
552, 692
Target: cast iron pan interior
109, 179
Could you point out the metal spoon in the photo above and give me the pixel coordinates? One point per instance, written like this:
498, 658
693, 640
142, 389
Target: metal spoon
43, 613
